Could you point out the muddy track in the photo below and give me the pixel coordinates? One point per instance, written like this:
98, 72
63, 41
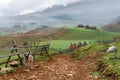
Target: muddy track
60, 67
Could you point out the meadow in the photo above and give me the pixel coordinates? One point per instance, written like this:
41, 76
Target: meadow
76, 35
86, 34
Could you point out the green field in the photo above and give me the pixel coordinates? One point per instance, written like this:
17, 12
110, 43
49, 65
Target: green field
76, 35
64, 44
72, 35
86, 34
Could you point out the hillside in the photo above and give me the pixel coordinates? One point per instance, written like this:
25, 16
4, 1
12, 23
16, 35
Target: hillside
68, 34
73, 33
90, 62
46, 31
19, 28
86, 34
113, 27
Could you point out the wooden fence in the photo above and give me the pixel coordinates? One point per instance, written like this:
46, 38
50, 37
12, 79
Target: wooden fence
14, 50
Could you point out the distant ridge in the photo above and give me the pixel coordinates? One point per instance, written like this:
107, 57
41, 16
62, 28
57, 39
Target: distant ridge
113, 27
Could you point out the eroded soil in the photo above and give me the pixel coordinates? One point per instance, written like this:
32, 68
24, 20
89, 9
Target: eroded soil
60, 67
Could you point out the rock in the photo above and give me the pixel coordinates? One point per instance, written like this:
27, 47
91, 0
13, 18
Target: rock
36, 66
33, 77
11, 79
112, 49
52, 70
5, 70
70, 75
26, 70
95, 77
39, 74
71, 72
14, 64
90, 77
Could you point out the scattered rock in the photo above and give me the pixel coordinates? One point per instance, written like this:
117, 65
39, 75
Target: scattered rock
70, 75
39, 74
14, 64
71, 72
96, 77
53, 70
61, 68
26, 70
11, 79
36, 66
33, 77
5, 70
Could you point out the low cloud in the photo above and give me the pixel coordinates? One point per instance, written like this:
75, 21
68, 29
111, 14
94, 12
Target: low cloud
60, 11
16, 7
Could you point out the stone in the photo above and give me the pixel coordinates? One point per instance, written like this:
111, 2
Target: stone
36, 66
5, 70
70, 75
11, 79
14, 64
26, 70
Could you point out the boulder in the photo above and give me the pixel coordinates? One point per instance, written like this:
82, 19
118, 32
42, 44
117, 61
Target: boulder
5, 70
112, 49
14, 64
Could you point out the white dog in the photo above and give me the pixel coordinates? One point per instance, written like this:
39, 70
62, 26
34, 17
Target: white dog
28, 60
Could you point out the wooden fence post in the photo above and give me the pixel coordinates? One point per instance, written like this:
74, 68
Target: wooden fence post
15, 48
7, 61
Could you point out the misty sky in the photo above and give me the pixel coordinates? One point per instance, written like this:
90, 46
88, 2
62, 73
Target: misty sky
88, 11
17, 7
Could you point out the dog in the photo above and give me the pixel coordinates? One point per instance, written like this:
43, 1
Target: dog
28, 60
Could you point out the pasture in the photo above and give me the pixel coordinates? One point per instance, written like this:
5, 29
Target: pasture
110, 62
86, 34
55, 46
64, 44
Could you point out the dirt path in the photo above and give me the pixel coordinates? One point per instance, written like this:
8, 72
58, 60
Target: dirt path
61, 67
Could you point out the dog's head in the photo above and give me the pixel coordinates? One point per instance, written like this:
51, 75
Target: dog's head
26, 55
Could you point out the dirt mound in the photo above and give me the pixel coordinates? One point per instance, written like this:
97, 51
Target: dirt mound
60, 67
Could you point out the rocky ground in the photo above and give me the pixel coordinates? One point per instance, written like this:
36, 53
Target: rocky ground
60, 67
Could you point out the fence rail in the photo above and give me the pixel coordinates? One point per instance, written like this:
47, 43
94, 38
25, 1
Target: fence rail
7, 55
14, 51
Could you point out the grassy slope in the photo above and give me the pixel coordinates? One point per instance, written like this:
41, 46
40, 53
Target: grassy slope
71, 35
86, 34
110, 61
64, 44
66, 37
77, 34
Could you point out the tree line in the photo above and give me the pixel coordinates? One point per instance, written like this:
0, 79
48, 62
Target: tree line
87, 27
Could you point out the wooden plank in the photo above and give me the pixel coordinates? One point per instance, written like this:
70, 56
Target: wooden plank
9, 61
4, 56
14, 48
19, 57
41, 48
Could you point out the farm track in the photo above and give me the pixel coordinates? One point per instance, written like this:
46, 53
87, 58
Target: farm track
60, 67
